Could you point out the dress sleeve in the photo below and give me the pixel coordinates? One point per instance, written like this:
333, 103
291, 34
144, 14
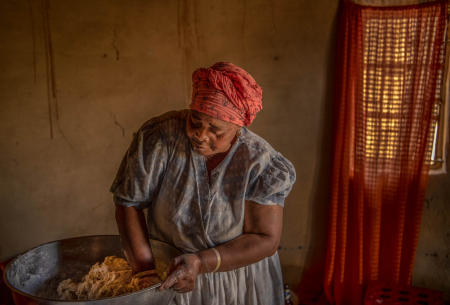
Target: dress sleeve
271, 184
140, 173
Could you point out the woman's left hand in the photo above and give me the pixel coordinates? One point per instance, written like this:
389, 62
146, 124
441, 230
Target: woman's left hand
183, 272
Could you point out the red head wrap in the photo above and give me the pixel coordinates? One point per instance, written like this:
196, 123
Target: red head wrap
226, 92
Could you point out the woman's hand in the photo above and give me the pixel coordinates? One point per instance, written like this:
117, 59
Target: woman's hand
134, 238
183, 272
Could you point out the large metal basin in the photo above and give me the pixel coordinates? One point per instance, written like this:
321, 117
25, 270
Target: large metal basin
34, 275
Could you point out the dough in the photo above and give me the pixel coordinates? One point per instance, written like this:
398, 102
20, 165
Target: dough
110, 278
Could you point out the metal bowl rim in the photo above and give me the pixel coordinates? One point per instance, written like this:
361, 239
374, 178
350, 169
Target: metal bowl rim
5, 280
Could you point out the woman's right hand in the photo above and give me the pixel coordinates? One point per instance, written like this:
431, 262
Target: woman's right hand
183, 273
134, 237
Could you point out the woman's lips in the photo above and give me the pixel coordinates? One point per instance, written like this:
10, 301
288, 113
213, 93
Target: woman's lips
198, 145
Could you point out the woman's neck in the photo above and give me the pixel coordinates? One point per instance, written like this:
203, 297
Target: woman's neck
213, 160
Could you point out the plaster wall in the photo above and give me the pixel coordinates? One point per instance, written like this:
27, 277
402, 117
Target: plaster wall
432, 263
79, 77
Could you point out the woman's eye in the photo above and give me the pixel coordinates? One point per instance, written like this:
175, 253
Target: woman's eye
194, 125
218, 134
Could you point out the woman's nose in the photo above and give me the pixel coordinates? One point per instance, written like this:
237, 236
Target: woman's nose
201, 134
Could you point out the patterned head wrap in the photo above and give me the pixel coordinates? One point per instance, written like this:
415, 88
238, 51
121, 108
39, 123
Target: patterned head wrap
226, 92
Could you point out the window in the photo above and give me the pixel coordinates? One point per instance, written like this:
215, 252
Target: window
392, 66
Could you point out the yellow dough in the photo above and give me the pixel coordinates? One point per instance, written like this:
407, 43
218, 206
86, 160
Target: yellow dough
110, 278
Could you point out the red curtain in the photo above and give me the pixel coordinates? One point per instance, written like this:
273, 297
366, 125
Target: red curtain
389, 70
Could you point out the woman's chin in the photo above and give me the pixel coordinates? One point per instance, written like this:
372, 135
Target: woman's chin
203, 151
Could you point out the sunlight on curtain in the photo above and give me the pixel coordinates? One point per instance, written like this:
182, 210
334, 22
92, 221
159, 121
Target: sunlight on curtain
388, 84
392, 66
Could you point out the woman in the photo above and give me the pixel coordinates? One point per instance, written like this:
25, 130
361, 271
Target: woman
213, 189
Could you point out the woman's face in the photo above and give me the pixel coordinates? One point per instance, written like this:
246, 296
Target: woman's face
209, 136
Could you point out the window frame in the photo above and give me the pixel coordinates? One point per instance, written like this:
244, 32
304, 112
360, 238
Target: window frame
439, 159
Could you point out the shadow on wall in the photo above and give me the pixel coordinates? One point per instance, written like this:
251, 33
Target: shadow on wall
312, 278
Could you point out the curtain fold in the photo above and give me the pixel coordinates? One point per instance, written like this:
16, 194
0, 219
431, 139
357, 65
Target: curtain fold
389, 72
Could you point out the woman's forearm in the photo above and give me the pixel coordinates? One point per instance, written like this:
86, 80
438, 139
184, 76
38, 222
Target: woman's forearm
241, 251
133, 232
260, 239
